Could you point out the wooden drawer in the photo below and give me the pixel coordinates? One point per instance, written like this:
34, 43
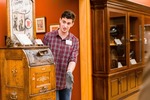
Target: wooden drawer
14, 73
46, 96
13, 54
135, 79
118, 86
42, 79
13, 94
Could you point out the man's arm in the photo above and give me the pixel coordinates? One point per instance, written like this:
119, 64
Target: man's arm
71, 66
73, 56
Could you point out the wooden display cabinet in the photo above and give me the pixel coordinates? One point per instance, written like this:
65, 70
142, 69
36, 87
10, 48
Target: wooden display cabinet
118, 47
118, 85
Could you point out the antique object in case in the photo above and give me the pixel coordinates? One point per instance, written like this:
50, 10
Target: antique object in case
27, 74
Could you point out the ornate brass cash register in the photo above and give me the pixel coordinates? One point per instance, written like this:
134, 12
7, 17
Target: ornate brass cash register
27, 67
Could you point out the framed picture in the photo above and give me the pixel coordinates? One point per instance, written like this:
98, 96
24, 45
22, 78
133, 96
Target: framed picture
18, 23
54, 27
40, 25
20, 18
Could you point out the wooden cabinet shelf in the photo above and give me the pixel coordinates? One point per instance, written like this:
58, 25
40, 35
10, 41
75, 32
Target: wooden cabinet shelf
112, 44
120, 53
132, 40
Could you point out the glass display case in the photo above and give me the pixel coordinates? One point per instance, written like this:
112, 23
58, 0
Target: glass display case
117, 39
135, 36
125, 46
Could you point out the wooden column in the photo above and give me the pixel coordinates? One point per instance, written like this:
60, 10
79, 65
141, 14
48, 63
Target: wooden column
85, 50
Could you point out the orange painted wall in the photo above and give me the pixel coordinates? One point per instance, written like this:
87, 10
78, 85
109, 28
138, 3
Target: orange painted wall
3, 22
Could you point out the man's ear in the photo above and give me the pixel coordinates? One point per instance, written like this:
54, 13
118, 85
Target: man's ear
72, 24
59, 20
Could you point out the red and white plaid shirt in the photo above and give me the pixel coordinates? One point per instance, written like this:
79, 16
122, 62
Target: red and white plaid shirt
63, 54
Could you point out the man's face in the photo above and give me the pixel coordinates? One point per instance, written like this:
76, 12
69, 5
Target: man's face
65, 24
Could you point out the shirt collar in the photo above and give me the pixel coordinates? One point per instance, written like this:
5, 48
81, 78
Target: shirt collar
69, 36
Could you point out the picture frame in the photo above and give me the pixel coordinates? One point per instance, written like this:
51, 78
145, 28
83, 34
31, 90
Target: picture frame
54, 27
18, 20
40, 25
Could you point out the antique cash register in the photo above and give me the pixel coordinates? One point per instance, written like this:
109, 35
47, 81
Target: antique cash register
27, 67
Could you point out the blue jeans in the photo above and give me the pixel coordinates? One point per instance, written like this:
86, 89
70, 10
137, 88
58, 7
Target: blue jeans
64, 94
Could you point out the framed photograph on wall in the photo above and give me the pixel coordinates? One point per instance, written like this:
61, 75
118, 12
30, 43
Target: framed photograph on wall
40, 25
20, 18
54, 27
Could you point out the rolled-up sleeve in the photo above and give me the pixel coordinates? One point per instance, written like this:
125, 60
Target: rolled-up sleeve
75, 52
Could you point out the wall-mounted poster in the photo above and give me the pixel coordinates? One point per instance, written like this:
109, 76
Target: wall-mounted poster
54, 27
40, 25
20, 18
18, 23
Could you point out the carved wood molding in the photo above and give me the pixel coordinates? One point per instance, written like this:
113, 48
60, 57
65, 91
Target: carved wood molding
122, 4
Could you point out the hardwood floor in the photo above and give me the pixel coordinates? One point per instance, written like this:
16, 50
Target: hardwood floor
133, 96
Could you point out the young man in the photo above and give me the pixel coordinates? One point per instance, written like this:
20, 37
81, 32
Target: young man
65, 48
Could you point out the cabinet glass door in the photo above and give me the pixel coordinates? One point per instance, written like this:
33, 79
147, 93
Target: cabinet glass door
135, 39
146, 37
117, 39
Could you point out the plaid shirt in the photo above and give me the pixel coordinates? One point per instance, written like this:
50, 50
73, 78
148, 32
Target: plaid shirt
63, 54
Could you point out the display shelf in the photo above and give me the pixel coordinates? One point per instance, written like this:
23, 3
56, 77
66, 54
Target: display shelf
120, 47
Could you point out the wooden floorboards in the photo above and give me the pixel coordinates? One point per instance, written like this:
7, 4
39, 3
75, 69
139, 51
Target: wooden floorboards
132, 97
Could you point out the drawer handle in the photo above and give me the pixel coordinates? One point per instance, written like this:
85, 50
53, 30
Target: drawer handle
119, 82
43, 89
13, 96
14, 72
